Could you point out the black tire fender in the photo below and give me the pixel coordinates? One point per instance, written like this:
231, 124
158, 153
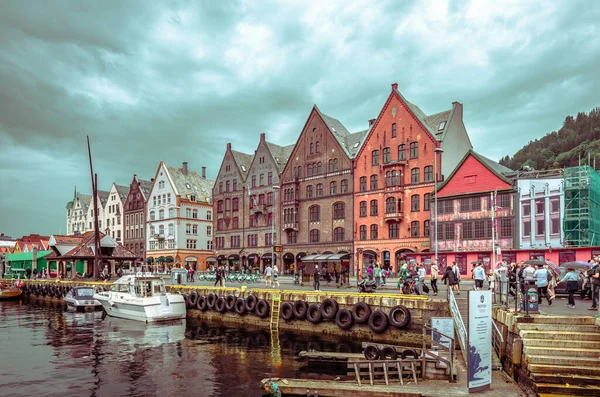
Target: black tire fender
262, 308
409, 353
240, 306
201, 303
300, 308
344, 319
372, 352
230, 302
388, 353
287, 311
211, 299
313, 313
361, 312
251, 303
220, 305
400, 316
329, 309
378, 322
193, 299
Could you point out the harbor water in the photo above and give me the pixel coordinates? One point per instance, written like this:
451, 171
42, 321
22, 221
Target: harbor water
46, 350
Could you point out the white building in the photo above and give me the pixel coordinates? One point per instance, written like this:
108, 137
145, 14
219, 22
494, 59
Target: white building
541, 205
179, 217
77, 213
113, 212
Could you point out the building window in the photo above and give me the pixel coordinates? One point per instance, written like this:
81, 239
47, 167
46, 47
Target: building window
414, 150
312, 148
219, 206
227, 186
235, 204
338, 234
195, 213
363, 184
526, 209
374, 182
390, 205
386, 155
401, 152
363, 208
171, 229
373, 207
428, 175
191, 244
268, 239
394, 230
188, 228
414, 203
554, 206
208, 215
426, 201
426, 228
393, 130
344, 186
414, 176
470, 204
319, 190
209, 245
504, 200
539, 207
338, 211
314, 213
467, 230
154, 201
270, 198
209, 231
540, 227
363, 232
253, 180
555, 226
317, 147
375, 157
292, 237
309, 191
319, 168
333, 188
314, 236
270, 178
373, 232
309, 170
415, 229
235, 185
220, 187
506, 229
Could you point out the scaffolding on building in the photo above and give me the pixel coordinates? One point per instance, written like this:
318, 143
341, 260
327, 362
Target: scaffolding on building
582, 207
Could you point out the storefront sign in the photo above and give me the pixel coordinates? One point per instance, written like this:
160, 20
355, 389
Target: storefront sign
445, 325
480, 341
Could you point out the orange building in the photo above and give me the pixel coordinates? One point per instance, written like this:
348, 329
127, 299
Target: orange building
394, 179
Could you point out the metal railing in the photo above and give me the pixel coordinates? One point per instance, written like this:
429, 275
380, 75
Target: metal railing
497, 340
436, 348
459, 324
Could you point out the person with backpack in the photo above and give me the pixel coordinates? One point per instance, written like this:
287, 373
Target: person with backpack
479, 276
594, 275
317, 278
434, 276
542, 277
571, 278
377, 274
450, 278
456, 271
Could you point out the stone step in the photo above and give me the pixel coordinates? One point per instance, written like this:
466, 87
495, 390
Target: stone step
562, 351
564, 361
542, 369
560, 335
563, 379
573, 390
558, 320
559, 327
554, 343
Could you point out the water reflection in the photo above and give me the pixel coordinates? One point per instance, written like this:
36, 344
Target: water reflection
47, 351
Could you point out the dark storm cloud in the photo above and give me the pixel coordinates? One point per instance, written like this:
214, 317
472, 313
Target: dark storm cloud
176, 81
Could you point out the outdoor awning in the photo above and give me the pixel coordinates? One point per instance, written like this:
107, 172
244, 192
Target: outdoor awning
325, 258
211, 259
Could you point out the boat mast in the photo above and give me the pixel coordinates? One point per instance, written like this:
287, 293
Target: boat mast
97, 254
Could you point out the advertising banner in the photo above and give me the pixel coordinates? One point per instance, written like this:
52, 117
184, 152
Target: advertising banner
479, 356
445, 325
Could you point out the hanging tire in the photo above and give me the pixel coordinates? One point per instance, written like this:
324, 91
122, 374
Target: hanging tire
201, 303
287, 311
193, 299
410, 353
313, 313
186, 300
378, 322
240, 306
388, 353
372, 353
361, 312
399, 316
50, 291
344, 319
251, 302
300, 308
329, 309
230, 302
211, 299
220, 305
262, 308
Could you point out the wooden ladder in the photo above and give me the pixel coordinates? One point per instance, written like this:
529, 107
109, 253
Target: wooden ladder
275, 308
397, 365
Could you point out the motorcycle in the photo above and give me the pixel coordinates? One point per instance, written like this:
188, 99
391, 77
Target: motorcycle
367, 286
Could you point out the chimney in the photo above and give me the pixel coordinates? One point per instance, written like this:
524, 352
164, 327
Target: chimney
229, 146
151, 179
184, 168
203, 172
371, 122
262, 137
394, 86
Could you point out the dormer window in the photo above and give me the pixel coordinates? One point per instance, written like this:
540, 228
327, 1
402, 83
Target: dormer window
442, 126
192, 197
188, 186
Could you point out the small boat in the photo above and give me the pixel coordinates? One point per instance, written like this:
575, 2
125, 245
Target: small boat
82, 298
142, 297
8, 292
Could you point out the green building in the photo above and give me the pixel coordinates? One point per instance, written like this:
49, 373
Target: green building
582, 207
23, 260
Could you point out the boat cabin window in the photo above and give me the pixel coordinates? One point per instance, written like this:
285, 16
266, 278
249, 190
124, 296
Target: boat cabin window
84, 292
120, 288
159, 288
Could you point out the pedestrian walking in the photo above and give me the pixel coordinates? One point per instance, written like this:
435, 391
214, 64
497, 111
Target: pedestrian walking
594, 275
275, 274
384, 274
370, 272
317, 278
420, 278
435, 271
217, 277
456, 271
450, 278
542, 276
377, 274
268, 275
571, 278
479, 276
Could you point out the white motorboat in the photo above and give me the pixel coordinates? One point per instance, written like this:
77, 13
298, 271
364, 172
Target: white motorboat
142, 297
81, 298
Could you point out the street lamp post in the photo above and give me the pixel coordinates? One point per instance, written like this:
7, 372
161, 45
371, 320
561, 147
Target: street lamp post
174, 234
435, 204
275, 187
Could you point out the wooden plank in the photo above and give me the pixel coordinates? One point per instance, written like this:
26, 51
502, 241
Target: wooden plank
371, 372
342, 389
357, 374
385, 373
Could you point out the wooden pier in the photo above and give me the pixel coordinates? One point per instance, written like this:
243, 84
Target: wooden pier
326, 388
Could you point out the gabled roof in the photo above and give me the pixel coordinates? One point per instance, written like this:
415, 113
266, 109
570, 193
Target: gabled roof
280, 154
497, 169
435, 121
85, 200
145, 188
191, 184
103, 196
346, 140
122, 191
83, 246
243, 162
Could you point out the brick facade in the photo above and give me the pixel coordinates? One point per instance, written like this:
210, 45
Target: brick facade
135, 210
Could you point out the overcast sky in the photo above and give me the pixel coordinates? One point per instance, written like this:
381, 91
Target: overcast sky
176, 81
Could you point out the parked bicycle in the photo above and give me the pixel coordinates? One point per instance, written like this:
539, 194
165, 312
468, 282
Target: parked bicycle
409, 287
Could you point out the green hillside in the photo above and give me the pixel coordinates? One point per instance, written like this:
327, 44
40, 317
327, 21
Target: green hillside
578, 138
